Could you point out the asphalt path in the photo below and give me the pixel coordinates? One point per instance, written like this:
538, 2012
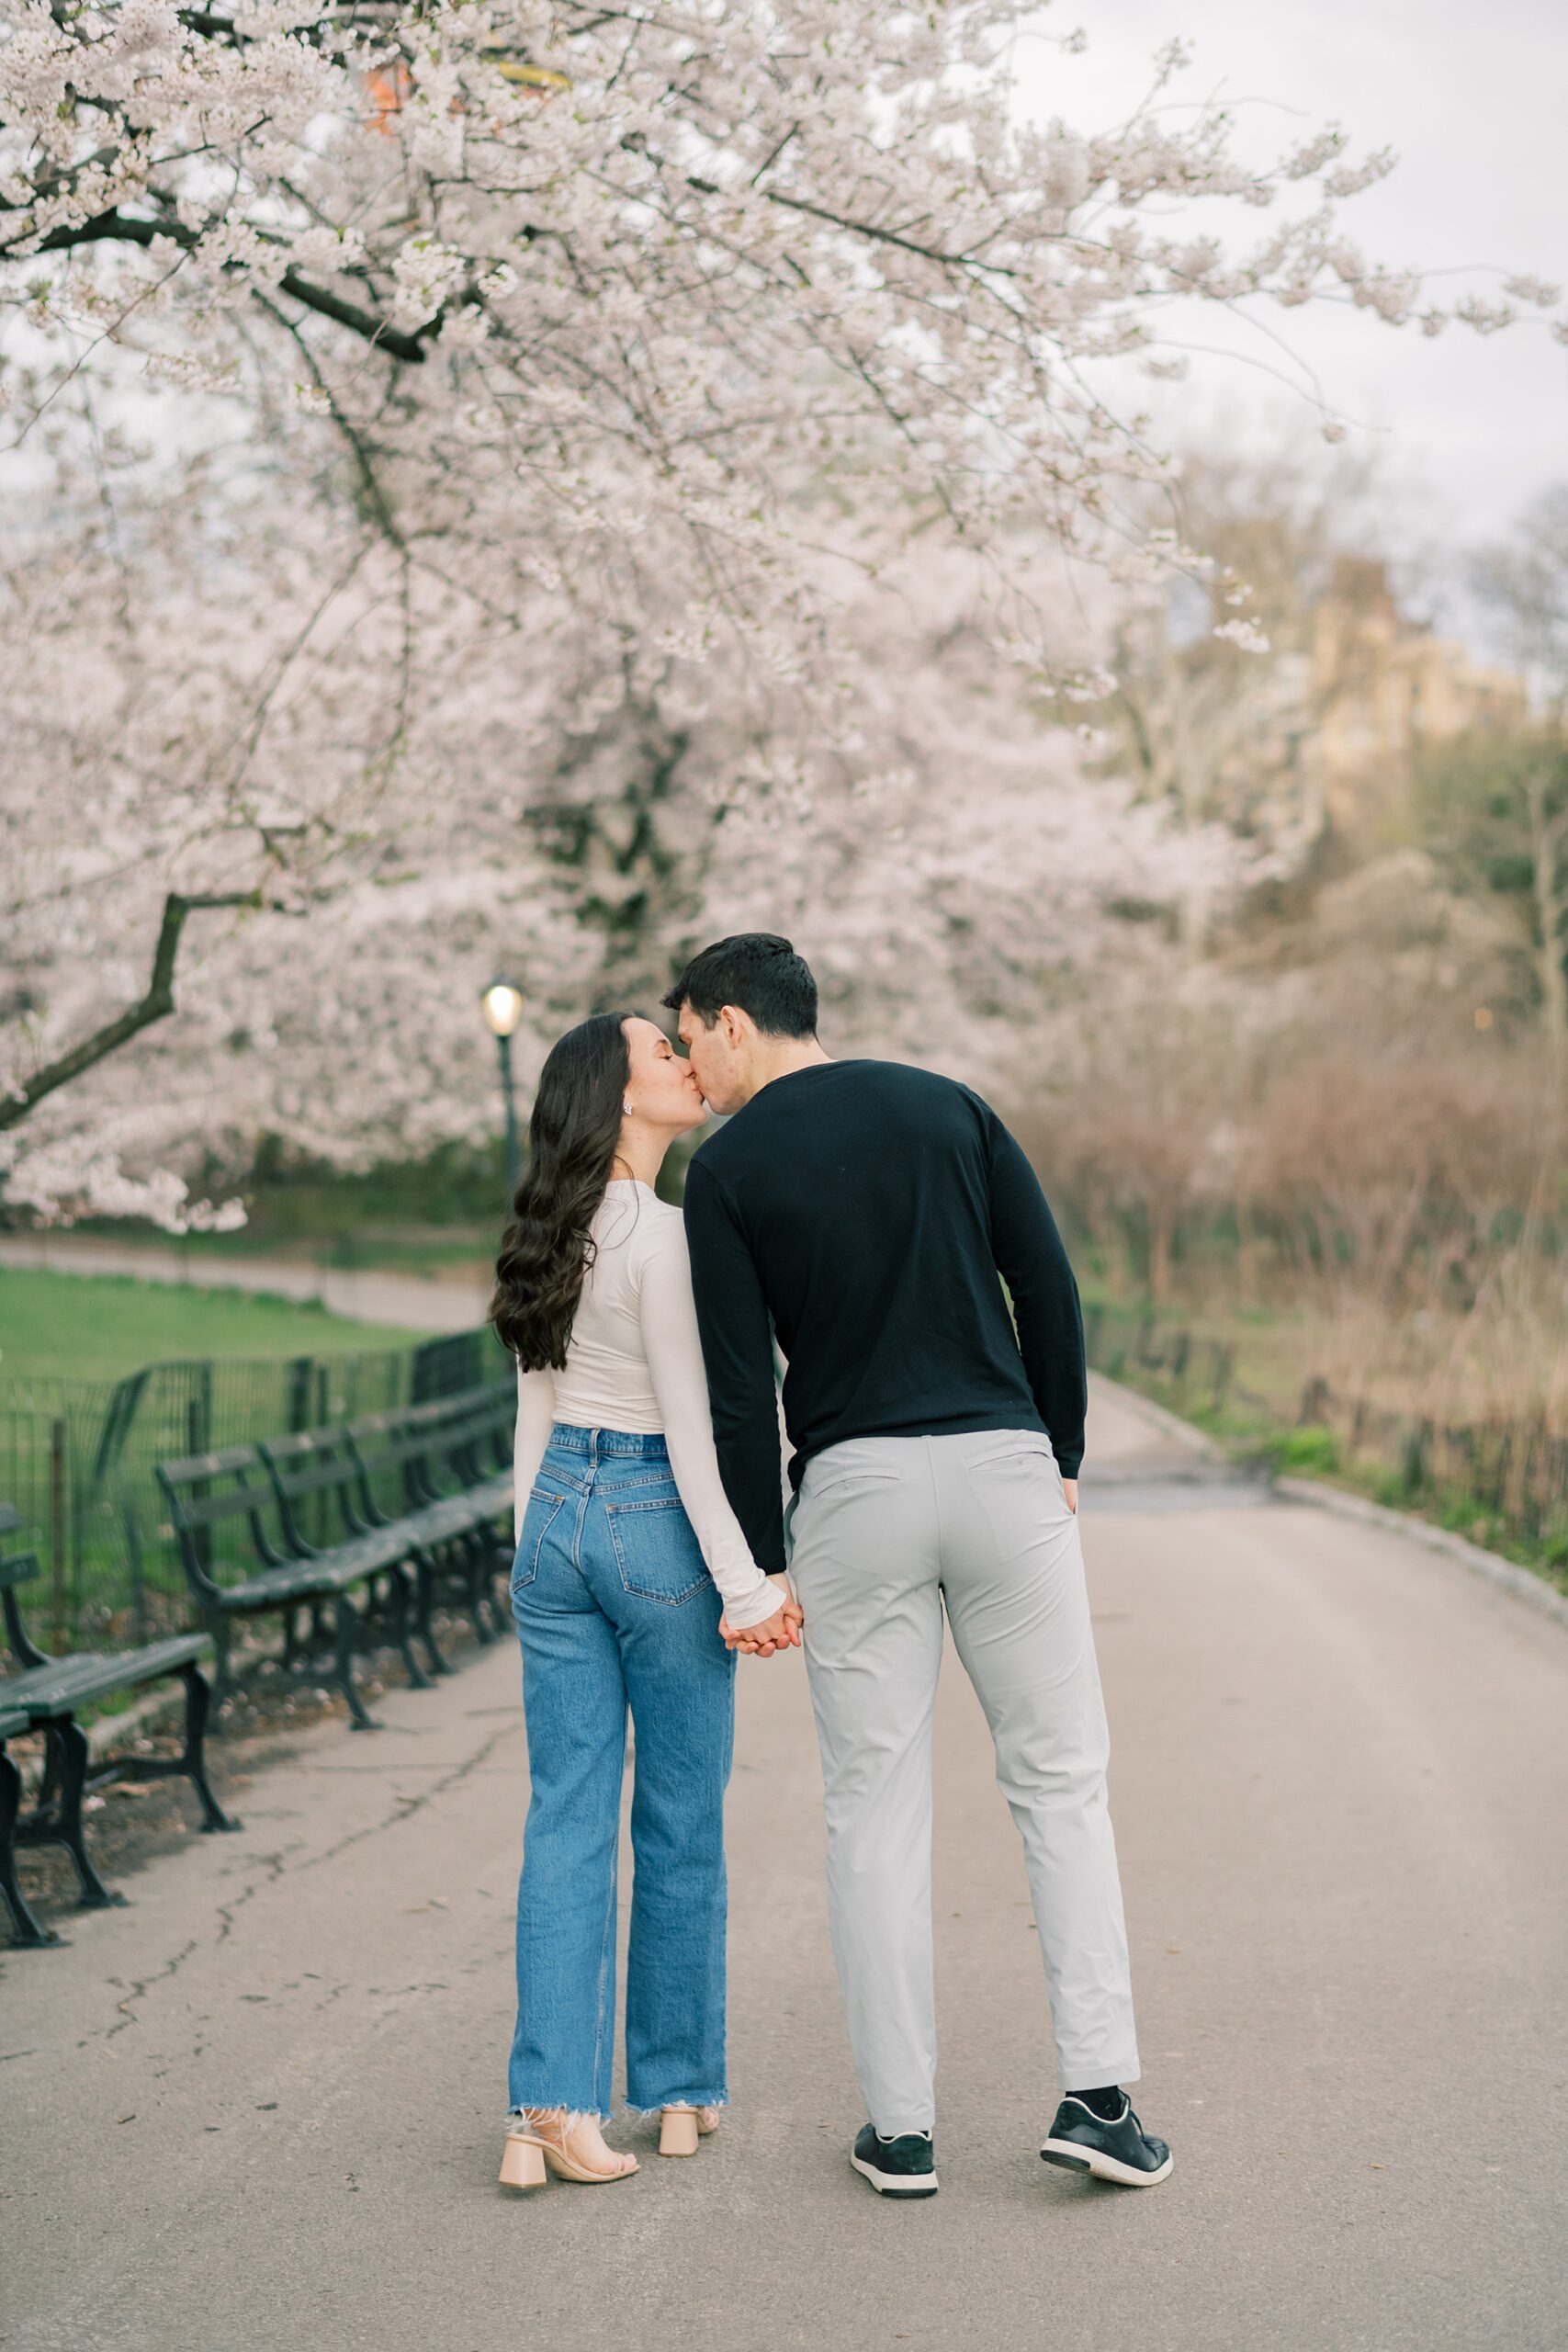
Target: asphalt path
261, 2107
455, 1299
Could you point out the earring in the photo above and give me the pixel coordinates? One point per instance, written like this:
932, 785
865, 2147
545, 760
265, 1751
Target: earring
625, 1109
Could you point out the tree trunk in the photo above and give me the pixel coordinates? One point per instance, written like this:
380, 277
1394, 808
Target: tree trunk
1549, 838
1248, 1245
1162, 1237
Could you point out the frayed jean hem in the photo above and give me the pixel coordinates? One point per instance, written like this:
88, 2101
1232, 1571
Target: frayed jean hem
699, 2098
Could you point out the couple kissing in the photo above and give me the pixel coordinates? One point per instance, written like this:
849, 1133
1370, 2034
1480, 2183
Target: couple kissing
857, 1219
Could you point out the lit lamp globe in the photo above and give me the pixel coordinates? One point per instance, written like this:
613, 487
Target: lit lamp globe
504, 1010
503, 1007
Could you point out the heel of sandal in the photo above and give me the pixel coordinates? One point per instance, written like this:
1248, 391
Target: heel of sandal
678, 2132
522, 2165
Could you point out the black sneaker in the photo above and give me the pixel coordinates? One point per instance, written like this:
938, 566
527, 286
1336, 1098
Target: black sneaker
1081, 2141
905, 2167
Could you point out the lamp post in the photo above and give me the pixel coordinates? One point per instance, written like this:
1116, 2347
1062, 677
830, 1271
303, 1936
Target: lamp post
504, 1010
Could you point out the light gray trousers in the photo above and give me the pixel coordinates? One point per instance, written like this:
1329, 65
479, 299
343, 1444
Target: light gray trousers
883, 1532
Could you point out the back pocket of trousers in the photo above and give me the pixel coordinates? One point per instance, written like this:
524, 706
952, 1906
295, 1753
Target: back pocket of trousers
656, 1553
544, 1509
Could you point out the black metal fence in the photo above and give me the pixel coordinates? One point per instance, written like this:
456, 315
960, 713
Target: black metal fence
76, 1459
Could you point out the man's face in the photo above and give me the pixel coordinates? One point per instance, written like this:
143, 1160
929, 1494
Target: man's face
715, 1059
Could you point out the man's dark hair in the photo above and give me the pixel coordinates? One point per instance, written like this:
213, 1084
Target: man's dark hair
757, 971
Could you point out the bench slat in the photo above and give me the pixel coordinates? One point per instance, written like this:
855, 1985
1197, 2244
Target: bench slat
212, 1510
191, 1468
70, 1682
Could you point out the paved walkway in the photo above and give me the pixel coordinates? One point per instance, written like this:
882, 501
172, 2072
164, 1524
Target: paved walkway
260, 2107
454, 1300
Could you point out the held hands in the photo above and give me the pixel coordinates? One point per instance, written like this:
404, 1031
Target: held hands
779, 1632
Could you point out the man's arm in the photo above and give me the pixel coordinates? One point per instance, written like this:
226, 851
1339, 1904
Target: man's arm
738, 1350
1028, 1255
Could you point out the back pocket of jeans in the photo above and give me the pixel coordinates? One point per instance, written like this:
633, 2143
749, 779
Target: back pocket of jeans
544, 1509
657, 1554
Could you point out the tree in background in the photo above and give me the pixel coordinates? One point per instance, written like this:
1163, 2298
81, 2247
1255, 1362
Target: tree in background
553, 274
559, 347
962, 885
1200, 721
1497, 808
1497, 814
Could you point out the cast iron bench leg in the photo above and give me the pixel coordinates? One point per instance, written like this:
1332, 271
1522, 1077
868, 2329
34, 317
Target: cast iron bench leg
424, 1570
477, 1569
498, 1580
192, 1765
66, 1829
224, 1686
28, 1933
403, 1628
347, 1624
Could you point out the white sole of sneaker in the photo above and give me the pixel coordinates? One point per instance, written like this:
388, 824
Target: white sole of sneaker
1073, 2157
895, 2184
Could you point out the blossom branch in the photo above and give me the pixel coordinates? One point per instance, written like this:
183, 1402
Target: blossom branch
156, 1005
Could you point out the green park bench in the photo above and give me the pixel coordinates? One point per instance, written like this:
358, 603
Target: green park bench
443, 1471
44, 1694
241, 1518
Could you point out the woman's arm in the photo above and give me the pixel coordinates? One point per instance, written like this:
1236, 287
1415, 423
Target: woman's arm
679, 1382
535, 1416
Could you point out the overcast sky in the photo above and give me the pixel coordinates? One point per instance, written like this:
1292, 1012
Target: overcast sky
1474, 98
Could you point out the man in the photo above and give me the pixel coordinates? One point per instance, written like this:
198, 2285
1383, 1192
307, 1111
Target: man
861, 1211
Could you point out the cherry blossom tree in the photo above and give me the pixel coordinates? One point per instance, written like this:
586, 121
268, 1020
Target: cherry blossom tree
556, 272
574, 357
961, 881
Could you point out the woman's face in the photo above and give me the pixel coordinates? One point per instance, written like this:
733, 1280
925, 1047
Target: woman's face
663, 1091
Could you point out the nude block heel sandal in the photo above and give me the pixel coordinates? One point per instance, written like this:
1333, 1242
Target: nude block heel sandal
572, 2148
522, 2165
679, 2126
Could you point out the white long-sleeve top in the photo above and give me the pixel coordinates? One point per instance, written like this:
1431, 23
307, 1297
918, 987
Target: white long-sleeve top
635, 1362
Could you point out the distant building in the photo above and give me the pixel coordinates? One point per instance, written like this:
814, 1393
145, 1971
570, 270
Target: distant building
1321, 736
1380, 690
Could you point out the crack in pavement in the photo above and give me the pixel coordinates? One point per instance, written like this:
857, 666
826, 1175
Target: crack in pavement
273, 1865
276, 1866
408, 1806
143, 1984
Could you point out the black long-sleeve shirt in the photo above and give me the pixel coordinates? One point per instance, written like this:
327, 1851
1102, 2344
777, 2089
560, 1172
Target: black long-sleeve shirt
863, 1211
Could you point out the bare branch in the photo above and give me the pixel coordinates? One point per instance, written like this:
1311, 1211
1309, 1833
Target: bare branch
158, 1001
122, 228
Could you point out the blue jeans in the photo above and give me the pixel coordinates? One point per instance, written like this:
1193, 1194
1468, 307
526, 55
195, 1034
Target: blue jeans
615, 1608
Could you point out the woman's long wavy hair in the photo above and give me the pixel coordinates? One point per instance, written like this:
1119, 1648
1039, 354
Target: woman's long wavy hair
547, 1249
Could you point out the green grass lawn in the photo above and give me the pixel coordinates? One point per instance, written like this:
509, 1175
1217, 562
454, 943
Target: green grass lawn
100, 1327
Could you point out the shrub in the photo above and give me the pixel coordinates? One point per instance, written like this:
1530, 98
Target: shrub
1309, 1451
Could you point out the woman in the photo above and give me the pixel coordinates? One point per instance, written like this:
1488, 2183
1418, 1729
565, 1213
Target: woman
626, 1544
